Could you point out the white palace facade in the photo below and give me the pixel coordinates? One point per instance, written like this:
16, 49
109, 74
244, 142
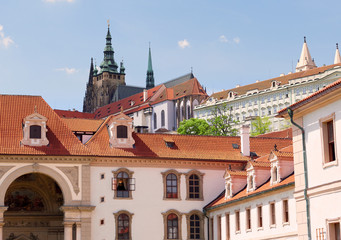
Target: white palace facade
266, 98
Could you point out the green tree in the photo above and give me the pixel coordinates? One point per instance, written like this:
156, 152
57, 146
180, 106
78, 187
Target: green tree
221, 124
193, 126
260, 126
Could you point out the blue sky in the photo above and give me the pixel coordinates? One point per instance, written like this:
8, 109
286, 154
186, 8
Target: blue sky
46, 45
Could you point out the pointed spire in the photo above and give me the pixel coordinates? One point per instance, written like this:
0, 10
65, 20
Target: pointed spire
305, 62
150, 73
91, 72
337, 58
108, 64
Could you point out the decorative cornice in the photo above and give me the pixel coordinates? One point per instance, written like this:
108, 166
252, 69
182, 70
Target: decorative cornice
45, 159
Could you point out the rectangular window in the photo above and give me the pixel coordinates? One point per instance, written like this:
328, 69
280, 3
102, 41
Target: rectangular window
219, 227
227, 219
248, 219
334, 231
272, 214
328, 139
237, 213
260, 216
212, 227
285, 211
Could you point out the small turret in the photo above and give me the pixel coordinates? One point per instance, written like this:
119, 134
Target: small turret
305, 62
122, 68
337, 58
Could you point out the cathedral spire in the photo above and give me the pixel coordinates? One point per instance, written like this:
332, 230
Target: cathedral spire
108, 64
337, 58
150, 74
305, 62
91, 72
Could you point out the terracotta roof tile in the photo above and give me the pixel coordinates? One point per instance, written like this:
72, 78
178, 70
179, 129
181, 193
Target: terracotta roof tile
74, 114
262, 85
243, 194
236, 173
83, 125
14, 108
286, 133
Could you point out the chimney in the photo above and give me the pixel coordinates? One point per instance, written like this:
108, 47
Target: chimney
245, 140
145, 94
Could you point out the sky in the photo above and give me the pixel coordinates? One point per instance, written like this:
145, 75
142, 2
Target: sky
46, 45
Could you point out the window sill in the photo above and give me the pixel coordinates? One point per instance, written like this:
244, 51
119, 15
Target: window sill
172, 199
238, 232
285, 224
194, 199
330, 164
248, 230
123, 198
260, 229
273, 226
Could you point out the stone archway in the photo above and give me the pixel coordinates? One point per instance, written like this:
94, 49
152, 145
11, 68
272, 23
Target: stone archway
33, 203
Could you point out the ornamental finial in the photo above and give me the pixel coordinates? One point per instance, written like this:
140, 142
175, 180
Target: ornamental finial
108, 21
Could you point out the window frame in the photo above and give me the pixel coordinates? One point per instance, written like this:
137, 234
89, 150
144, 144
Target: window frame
164, 177
130, 216
237, 221
201, 224
228, 226
248, 223
201, 184
326, 162
260, 220
165, 224
163, 118
121, 132
130, 182
329, 222
272, 213
155, 120
285, 211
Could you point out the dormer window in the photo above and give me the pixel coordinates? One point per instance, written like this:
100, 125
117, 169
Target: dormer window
228, 192
274, 175
34, 131
251, 183
122, 131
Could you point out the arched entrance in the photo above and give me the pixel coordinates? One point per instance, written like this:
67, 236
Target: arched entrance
33, 213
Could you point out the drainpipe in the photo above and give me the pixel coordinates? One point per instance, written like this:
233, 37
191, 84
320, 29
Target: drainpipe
307, 201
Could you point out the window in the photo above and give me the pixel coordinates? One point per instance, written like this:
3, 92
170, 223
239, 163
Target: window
122, 131
35, 131
162, 118
194, 181
102, 199
123, 221
123, 183
172, 224
285, 211
334, 231
227, 221
155, 121
272, 214
211, 221
102, 176
188, 112
328, 140
219, 227
195, 225
274, 175
251, 184
237, 213
248, 219
260, 216
171, 181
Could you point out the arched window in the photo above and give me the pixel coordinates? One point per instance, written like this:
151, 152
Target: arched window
35, 131
274, 174
155, 121
172, 226
162, 118
194, 186
171, 186
122, 185
122, 131
228, 190
251, 185
123, 226
188, 112
194, 227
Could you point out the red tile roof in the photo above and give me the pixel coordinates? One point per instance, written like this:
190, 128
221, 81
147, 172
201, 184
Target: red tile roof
286, 133
266, 84
322, 92
74, 114
186, 146
14, 108
83, 125
221, 201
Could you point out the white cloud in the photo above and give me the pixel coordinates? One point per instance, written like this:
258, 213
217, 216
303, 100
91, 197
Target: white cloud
67, 70
5, 41
54, 1
222, 38
236, 40
183, 43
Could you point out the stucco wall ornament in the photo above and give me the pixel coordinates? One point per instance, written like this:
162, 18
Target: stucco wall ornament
72, 175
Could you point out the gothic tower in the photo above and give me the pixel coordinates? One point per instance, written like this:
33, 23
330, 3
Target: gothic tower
150, 74
103, 81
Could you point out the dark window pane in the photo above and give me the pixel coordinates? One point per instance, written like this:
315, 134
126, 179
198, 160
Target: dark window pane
35, 131
122, 131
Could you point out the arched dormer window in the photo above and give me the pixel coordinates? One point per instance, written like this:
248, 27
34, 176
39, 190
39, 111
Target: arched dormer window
250, 183
122, 131
228, 192
162, 118
34, 131
274, 175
